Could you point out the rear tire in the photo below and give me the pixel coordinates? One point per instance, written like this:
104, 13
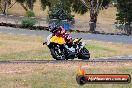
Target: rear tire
57, 57
84, 54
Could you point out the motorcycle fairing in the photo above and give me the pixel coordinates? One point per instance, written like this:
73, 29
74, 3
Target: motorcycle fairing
58, 40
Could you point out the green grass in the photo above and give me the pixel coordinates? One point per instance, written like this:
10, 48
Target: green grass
98, 47
42, 54
98, 50
59, 76
24, 47
28, 55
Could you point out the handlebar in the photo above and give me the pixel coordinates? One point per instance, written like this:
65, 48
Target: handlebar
79, 39
44, 43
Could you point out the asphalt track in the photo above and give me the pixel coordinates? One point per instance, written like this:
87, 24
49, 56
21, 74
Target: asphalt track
63, 61
97, 37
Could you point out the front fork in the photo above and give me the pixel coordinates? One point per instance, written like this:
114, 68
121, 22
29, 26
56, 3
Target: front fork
59, 51
80, 46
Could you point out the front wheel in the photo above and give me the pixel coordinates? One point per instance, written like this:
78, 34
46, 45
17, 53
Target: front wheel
56, 55
84, 54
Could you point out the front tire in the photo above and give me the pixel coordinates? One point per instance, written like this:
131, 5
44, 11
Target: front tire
84, 54
57, 56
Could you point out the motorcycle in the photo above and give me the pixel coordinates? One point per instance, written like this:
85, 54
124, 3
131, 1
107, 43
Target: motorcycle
61, 51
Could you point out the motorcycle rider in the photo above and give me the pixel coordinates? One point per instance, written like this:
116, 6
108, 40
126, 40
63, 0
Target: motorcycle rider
60, 32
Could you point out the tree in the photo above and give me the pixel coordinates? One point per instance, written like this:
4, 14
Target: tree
27, 4
5, 5
45, 3
78, 6
124, 16
94, 6
60, 10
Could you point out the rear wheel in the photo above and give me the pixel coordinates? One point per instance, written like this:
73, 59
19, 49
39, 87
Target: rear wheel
84, 54
56, 55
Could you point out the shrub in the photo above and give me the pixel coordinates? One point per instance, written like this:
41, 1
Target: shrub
30, 14
29, 22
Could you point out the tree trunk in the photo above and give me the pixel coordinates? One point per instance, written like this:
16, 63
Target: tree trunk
92, 23
31, 5
5, 8
92, 26
24, 7
129, 30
